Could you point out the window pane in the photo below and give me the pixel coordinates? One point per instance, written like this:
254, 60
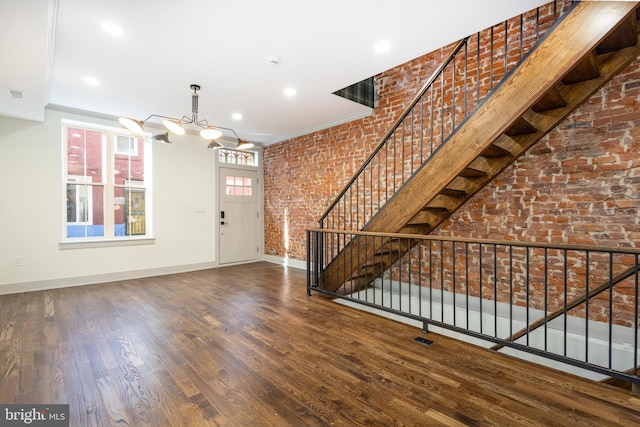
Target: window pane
247, 191
126, 145
128, 165
229, 180
84, 153
85, 216
239, 180
239, 157
73, 202
247, 182
130, 212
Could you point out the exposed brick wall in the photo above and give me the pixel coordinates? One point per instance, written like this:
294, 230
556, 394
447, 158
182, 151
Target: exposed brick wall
304, 175
578, 185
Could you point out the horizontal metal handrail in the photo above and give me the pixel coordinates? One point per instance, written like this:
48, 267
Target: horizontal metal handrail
567, 246
576, 304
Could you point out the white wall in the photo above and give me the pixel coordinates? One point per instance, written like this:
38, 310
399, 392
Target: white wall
31, 211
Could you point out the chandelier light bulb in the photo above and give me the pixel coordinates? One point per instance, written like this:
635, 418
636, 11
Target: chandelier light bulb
210, 133
173, 127
134, 126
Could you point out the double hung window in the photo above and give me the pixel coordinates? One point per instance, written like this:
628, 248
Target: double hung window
107, 180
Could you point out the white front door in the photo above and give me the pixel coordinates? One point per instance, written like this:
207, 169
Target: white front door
239, 215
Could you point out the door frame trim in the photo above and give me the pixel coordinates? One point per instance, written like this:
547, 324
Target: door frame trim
260, 187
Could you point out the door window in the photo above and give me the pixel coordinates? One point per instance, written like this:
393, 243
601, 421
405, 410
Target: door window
238, 186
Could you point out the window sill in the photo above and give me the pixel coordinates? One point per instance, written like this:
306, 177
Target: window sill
106, 243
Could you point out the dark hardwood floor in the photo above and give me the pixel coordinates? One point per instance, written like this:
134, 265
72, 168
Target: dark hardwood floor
245, 346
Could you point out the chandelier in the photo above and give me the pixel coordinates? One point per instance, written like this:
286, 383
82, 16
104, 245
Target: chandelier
176, 126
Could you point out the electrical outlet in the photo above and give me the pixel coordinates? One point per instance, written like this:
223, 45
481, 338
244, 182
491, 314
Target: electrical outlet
17, 261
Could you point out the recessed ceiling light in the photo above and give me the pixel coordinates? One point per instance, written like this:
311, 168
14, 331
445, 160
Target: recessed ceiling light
236, 116
290, 91
382, 46
92, 81
111, 28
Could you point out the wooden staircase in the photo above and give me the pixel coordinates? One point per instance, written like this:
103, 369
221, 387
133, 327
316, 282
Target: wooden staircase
592, 44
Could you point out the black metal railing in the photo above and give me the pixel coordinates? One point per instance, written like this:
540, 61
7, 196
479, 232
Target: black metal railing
573, 304
475, 66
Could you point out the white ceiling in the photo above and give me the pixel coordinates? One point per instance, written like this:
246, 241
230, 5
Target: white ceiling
50, 46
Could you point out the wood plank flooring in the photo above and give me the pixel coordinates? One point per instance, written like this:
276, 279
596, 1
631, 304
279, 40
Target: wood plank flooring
245, 346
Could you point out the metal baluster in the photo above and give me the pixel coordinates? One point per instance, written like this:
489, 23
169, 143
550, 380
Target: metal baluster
442, 100
402, 157
466, 281
411, 139
386, 169
564, 330
491, 62
430, 279
586, 315
510, 290
610, 308
480, 277
527, 296
431, 119
635, 326
546, 290
311, 259
420, 278
506, 47
453, 278
441, 281
466, 83
421, 129
395, 160
495, 290
478, 71
453, 93
537, 24
521, 36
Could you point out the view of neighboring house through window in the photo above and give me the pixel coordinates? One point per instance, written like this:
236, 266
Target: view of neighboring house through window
107, 180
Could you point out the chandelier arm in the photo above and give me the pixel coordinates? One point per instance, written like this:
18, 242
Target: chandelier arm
184, 120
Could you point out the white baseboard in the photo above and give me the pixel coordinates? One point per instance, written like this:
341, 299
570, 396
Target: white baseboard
287, 262
66, 282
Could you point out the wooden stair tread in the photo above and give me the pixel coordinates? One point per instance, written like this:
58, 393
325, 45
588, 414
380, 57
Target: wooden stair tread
586, 69
472, 173
453, 193
521, 127
551, 100
436, 209
624, 35
494, 151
